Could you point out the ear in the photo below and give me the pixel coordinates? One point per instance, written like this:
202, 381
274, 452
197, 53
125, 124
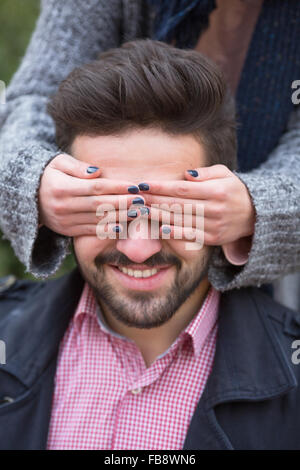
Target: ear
237, 252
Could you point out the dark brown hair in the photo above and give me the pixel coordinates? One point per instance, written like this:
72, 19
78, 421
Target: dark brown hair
148, 83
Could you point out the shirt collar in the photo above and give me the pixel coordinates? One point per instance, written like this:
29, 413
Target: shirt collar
202, 324
87, 304
197, 330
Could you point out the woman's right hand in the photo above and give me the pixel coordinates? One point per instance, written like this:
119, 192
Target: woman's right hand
69, 196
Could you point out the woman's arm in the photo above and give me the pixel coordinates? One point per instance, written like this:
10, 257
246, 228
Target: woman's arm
275, 191
68, 33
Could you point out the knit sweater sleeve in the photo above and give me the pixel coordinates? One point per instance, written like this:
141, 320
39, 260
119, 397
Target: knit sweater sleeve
275, 191
67, 34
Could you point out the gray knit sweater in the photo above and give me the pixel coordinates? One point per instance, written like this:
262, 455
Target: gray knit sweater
72, 32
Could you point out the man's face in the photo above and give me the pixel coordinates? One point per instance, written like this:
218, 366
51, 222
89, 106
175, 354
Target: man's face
143, 302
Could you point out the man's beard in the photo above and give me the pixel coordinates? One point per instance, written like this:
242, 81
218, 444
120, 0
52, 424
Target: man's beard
139, 309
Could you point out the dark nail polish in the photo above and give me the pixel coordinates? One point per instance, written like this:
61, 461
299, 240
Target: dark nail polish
92, 169
117, 228
133, 189
132, 213
166, 230
138, 200
144, 186
145, 210
193, 173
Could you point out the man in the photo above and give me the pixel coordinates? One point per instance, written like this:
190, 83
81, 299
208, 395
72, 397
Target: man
136, 349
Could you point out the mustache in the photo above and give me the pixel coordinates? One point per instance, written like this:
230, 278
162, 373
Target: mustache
120, 259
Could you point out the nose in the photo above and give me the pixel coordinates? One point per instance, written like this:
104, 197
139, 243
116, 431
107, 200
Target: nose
138, 249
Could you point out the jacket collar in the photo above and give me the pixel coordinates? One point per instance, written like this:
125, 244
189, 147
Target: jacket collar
250, 362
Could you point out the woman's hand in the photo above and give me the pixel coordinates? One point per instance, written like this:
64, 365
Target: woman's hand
228, 211
71, 192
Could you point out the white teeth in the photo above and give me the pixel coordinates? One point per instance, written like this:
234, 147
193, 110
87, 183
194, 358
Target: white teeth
147, 273
138, 273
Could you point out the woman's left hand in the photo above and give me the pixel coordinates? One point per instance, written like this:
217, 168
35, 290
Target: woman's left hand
228, 210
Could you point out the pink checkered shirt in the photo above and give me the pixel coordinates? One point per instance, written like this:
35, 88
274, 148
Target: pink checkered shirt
106, 398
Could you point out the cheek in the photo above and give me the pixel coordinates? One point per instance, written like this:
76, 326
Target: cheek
179, 248
87, 248
190, 257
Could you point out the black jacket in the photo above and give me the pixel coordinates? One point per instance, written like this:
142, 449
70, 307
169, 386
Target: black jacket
251, 400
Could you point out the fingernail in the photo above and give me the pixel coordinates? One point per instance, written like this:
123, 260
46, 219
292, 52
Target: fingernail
144, 186
145, 210
117, 228
132, 213
166, 230
138, 200
92, 169
133, 189
193, 173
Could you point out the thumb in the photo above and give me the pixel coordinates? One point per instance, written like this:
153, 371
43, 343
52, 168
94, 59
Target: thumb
74, 167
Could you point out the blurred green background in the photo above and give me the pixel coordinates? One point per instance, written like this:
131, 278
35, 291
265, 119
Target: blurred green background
17, 20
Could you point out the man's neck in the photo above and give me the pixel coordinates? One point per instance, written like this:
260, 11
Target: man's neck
155, 341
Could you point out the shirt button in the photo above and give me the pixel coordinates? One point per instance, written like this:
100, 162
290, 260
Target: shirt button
135, 391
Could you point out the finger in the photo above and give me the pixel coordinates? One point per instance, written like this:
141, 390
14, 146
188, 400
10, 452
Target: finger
73, 167
207, 190
168, 232
177, 219
210, 209
81, 218
100, 204
89, 218
115, 216
82, 230
208, 173
176, 204
99, 186
110, 231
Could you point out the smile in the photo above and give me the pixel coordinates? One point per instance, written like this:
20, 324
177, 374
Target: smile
141, 279
138, 273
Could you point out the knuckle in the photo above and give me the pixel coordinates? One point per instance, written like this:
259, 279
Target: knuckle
208, 239
58, 208
181, 190
172, 201
57, 190
213, 238
156, 187
90, 230
217, 211
119, 188
97, 187
219, 230
96, 204
63, 223
53, 163
217, 236
56, 160
216, 239
150, 199
220, 193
